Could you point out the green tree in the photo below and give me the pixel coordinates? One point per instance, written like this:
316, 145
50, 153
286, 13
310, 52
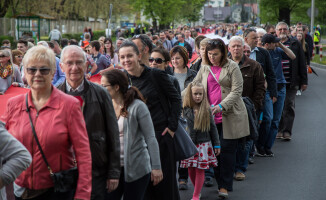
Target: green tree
191, 10
165, 12
160, 11
281, 10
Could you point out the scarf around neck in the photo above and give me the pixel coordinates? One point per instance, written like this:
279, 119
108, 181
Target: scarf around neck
5, 71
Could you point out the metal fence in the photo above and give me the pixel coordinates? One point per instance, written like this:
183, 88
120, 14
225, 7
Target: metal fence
8, 26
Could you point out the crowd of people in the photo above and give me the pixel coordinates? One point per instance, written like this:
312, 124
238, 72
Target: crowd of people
237, 98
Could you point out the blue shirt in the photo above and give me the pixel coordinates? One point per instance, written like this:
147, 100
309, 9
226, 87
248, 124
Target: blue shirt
277, 55
102, 62
59, 76
253, 53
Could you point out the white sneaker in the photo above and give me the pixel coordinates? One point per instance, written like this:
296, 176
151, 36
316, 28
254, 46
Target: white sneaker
299, 93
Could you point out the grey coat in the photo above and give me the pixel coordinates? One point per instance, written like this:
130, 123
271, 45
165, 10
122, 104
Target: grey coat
15, 156
141, 151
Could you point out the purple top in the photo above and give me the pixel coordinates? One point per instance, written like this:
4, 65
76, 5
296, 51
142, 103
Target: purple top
214, 91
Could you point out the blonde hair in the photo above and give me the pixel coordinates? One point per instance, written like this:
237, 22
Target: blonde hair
204, 43
7, 53
202, 118
40, 53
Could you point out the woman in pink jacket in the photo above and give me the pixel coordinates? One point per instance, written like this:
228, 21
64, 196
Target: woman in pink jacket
60, 129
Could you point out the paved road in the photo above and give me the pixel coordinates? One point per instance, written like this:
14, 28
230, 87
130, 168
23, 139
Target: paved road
298, 170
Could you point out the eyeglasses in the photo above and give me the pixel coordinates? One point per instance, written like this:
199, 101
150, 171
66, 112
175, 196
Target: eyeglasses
78, 63
33, 70
284, 29
157, 60
106, 85
18, 56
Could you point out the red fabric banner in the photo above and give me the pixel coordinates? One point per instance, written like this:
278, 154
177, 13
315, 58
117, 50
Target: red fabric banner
11, 92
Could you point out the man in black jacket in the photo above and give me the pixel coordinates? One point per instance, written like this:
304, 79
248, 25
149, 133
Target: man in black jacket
262, 56
101, 122
295, 73
181, 41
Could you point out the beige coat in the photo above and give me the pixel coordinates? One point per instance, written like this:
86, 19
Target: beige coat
234, 116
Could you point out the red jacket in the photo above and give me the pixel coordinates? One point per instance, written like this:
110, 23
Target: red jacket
59, 126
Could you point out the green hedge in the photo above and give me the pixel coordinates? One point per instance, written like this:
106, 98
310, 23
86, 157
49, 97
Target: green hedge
10, 38
77, 36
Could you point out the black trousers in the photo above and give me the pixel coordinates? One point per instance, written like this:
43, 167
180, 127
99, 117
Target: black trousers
99, 190
183, 173
167, 189
287, 119
130, 191
224, 172
51, 195
317, 48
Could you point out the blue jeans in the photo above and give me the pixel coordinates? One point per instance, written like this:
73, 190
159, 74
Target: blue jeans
243, 156
267, 121
271, 119
277, 114
209, 173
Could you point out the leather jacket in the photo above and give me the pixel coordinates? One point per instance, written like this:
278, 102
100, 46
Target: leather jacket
102, 129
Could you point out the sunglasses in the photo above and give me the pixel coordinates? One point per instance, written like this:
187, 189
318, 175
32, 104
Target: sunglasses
214, 42
157, 60
272, 33
2, 56
33, 70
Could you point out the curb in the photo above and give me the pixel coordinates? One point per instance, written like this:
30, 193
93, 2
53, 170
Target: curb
318, 65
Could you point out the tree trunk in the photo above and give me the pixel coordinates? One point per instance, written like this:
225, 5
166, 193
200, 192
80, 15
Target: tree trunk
4, 8
284, 15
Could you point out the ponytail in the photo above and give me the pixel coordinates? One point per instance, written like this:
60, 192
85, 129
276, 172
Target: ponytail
129, 96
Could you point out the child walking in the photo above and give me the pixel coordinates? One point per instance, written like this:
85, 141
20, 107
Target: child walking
203, 132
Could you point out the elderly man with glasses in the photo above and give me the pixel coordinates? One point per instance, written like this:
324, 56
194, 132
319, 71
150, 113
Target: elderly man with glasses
101, 122
295, 73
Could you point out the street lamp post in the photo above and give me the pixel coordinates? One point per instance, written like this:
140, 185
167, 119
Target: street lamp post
312, 20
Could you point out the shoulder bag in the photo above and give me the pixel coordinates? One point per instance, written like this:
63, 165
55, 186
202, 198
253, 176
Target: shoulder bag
183, 146
64, 181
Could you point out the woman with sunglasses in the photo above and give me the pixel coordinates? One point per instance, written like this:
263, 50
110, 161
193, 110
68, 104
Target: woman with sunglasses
17, 57
160, 59
9, 73
158, 90
90, 63
139, 155
184, 75
223, 82
59, 126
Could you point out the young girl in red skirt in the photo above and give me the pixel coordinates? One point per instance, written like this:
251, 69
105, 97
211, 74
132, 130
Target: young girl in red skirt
203, 132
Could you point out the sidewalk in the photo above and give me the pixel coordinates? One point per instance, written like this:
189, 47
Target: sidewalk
318, 65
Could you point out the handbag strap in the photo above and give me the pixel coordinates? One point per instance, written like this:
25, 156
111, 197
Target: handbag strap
209, 68
36, 138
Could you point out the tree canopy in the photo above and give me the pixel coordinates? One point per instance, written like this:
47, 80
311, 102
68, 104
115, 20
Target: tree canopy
166, 12
290, 11
65, 9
